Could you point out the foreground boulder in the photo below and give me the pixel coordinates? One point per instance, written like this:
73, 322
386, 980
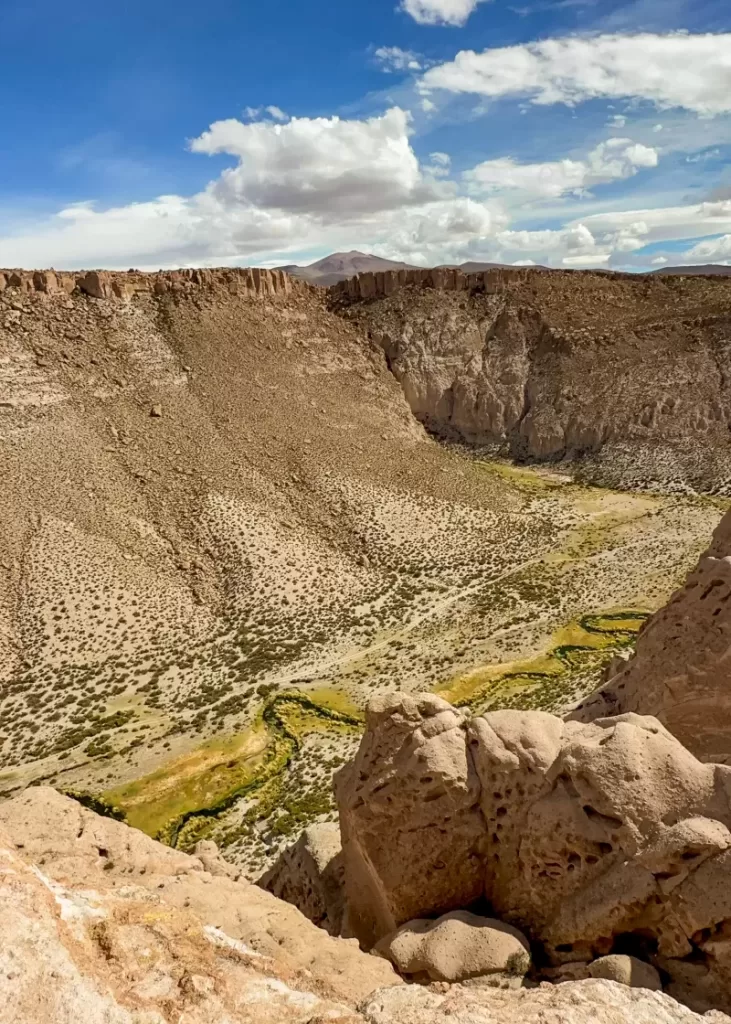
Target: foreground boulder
457, 947
76, 849
681, 670
582, 1002
627, 970
590, 838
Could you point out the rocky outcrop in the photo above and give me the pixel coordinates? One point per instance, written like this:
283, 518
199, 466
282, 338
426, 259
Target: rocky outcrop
309, 875
584, 1002
593, 839
681, 669
102, 925
457, 947
105, 284
621, 376
125, 955
77, 850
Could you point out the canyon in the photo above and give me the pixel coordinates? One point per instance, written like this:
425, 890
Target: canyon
238, 513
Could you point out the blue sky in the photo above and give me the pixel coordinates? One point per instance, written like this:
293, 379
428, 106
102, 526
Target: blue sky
567, 132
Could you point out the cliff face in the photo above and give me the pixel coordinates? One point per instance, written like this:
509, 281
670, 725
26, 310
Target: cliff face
627, 377
680, 671
103, 284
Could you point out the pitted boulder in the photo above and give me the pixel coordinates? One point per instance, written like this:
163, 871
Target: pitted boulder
409, 816
586, 837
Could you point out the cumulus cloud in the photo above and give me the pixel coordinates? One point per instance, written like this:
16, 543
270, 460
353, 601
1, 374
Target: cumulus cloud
341, 182
674, 70
327, 166
440, 12
613, 160
393, 58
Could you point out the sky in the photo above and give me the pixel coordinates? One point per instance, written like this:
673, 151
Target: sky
567, 133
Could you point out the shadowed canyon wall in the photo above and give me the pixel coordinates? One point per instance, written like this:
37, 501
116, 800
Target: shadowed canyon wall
624, 376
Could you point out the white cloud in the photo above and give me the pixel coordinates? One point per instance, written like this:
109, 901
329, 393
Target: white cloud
711, 250
277, 113
572, 246
667, 223
328, 166
675, 70
440, 12
611, 161
393, 58
339, 182
617, 121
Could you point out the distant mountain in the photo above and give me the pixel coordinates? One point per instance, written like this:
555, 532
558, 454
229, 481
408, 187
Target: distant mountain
713, 269
341, 265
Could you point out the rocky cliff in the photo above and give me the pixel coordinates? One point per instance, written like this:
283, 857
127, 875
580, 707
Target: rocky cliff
104, 284
625, 378
680, 671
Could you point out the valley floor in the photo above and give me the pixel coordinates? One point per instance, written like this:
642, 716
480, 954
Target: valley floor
520, 604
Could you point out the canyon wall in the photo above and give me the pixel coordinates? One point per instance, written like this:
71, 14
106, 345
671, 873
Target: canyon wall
105, 284
625, 377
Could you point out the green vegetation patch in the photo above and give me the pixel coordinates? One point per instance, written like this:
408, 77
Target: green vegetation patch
180, 802
577, 654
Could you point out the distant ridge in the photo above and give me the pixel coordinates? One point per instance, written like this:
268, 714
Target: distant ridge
339, 266
703, 269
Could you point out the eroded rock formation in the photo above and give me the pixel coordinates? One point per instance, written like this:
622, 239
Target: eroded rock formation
309, 874
681, 669
592, 839
622, 376
106, 284
102, 925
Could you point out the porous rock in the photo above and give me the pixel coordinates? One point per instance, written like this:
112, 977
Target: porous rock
309, 874
456, 947
578, 834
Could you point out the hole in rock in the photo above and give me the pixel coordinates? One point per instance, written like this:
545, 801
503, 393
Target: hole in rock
601, 819
641, 944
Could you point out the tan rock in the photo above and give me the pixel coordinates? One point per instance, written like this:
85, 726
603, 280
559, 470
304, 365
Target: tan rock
412, 777
309, 874
123, 955
77, 848
626, 970
580, 1002
577, 834
457, 946
681, 670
